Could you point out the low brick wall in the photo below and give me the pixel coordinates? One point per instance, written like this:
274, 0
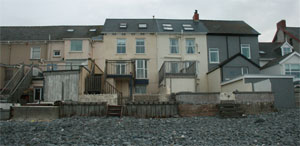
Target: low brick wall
4, 114
111, 99
205, 104
83, 109
151, 109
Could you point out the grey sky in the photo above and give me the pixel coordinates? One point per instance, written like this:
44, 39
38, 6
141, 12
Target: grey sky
262, 15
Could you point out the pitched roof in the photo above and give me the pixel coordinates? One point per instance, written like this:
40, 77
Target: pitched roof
230, 59
14, 33
295, 31
177, 25
276, 61
272, 50
201, 26
113, 25
228, 27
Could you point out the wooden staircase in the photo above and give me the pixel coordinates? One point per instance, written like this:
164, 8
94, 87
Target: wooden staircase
114, 110
230, 109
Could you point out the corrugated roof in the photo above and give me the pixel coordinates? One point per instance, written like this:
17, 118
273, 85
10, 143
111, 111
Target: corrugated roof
14, 33
228, 27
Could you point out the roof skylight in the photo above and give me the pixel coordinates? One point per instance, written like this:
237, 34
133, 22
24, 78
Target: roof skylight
93, 29
187, 27
142, 25
70, 30
167, 27
123, 25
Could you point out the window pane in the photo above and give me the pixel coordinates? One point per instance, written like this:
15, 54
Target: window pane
140, 46
174, 67
140, 89
295, 67
287, 67
35, 53
245, 50
121, 46
190, 46
214, 55
76, 45
174, 46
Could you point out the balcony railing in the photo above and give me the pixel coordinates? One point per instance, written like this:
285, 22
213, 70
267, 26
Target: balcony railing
177, 68
120, 68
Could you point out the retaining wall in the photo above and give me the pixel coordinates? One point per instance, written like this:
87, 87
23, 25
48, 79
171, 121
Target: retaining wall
205, 104
151, 109
43, 113
83, 109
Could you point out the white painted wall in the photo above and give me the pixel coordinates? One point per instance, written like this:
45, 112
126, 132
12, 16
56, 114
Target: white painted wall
175, 85
264, 85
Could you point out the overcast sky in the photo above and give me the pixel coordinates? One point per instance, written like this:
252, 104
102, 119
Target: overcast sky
262, 15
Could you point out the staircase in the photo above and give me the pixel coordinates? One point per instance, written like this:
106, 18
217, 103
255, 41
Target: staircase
230, 109
114, 110
13, 90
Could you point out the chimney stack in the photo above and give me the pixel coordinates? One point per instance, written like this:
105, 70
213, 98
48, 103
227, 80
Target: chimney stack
196, 16
281, 24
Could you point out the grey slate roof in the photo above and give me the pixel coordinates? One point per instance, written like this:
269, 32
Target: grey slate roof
294, 31
275, 61
113, 25
272, 50
228, 27
14, 33
202, 26
177, 26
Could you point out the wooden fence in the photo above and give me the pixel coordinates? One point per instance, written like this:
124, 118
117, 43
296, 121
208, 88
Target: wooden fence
83, 109
151, 109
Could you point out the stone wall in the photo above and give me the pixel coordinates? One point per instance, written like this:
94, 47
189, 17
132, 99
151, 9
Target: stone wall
111, 99
197, 104
205, 104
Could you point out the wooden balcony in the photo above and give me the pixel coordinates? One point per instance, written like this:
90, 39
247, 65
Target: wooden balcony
177, 69
120, 69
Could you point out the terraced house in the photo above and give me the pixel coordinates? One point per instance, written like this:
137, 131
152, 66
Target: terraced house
133, 58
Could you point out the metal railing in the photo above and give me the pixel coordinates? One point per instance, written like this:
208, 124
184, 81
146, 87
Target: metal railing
56, 67
120, 67
177, 68
13, 82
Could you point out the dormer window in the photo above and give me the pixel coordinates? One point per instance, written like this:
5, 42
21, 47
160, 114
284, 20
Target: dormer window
187, 27
142, 25
70, 30
286, 48
167, 27
123, 25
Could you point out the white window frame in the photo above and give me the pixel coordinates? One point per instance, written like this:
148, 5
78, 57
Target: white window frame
210, 50
249, 49
283, 52
41, 93
290, 70
144, 86
142, 46
56, 55
176, 46
32, 50
187, 45
119, 66
244, 72
144, 69
121, 45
